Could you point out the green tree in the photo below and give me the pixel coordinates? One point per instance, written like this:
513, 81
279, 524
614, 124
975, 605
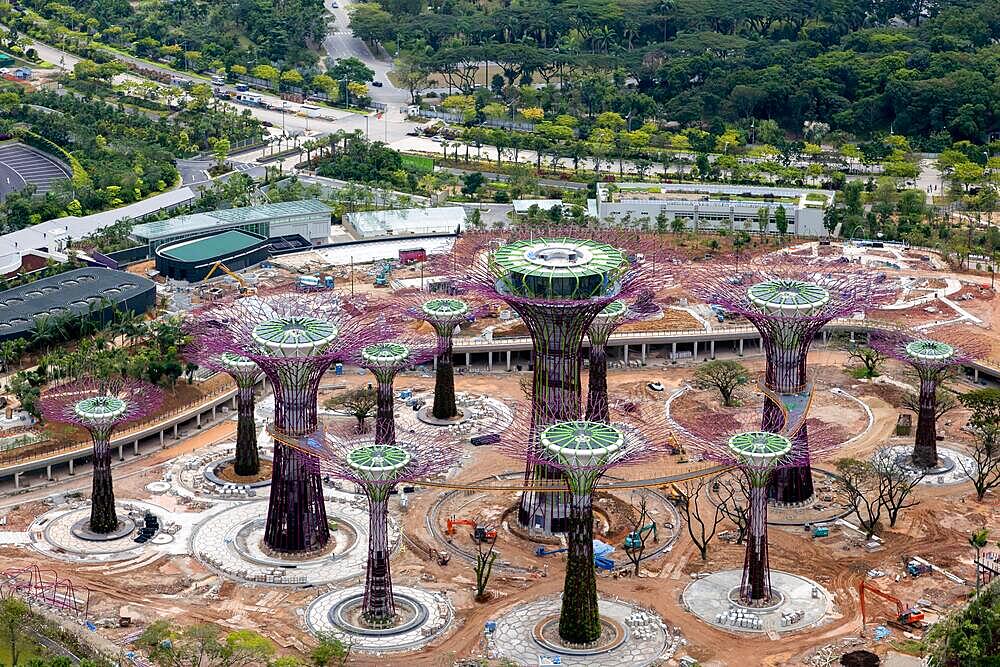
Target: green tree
781, 220
330, 652
979, 539
14, 615
725, 376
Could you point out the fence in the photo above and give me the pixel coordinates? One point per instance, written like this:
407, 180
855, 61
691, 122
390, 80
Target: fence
489, 122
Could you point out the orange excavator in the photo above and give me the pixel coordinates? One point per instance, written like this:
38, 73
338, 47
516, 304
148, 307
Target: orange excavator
907, 617
479, 533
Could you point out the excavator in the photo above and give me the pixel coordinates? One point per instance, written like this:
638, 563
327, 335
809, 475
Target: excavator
637, 538
244, 288
906, 617
479, 533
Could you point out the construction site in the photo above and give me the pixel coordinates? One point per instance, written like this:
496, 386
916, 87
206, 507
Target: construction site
714, 527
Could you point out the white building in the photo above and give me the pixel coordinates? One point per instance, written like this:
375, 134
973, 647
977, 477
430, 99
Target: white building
402, 222
712, 207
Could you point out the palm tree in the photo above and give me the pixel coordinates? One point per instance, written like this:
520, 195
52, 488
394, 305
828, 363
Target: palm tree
43, 331
977, 541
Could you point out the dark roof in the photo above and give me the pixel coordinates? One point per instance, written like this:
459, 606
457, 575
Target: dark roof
207, 248
73, 291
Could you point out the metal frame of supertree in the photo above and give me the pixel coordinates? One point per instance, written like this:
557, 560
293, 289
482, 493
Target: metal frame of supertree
377, 468
246, 374
294, 337
562, 446
758, 455
100, 405
931, 357
443, 313
794, 300
557, 303
385, 360
47, 587
605, 323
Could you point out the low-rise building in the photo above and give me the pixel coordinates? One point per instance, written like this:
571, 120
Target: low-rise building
193, 259
400, 222
710, 207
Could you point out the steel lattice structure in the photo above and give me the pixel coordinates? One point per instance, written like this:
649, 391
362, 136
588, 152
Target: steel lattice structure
582, 452
246, 374
293, 337
557, 282
444, 313
932, 359
377, 468
758, 455
788, 301
100, 406
385, 360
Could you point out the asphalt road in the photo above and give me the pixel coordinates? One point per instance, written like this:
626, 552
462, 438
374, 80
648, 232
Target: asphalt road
10, 181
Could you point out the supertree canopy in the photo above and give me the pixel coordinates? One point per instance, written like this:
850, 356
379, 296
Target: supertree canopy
583, 451
558, 284
377, 468
932, 360
100, 406
385, 360
758, 455
788, 302
294, 338
245, 373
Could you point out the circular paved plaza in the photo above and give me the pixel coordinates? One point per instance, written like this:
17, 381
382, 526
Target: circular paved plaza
647, 639
804, 603
480, 415
195, 474
434, 616
230, 542
951, 470
53, 533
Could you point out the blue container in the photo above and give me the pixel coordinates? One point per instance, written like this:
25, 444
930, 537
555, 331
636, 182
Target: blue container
338, 369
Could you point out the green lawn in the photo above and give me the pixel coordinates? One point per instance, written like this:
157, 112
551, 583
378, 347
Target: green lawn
28, 648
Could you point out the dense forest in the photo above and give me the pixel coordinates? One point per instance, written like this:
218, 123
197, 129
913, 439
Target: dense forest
199, 32
928, 69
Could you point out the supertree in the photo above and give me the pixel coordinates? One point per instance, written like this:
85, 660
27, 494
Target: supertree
385, 360
294, 338
444, 314
245, 373
788, 302
932, 360
100, 406
757, 455
583, 451
557, 283
606, 322
377, 468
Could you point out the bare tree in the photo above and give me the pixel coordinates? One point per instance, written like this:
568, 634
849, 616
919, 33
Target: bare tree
635, 544
870, 359
863, 487
896, 483
985, 423
357, 403
701, 524
726, 376
984, 468
734, 500
484, 565
945, 402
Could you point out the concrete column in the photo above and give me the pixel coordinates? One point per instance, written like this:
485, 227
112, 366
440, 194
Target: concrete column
975, 375
71, 470
162, 445
197, 420
121, 452
468, 359
489, 360
694, 352
48, 472
741, 347
711, 347
673, 352
435, 363
826, 335
17, 480
213, 413
508, 359
176, 436
625, 347
644, 354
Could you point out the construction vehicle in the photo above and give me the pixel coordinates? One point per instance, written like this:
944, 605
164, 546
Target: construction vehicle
600, 562
916, 569
541, 551
382, 279
820, 531
479, 533
906, 617
637, 538
443, 557
244, 288
673, 493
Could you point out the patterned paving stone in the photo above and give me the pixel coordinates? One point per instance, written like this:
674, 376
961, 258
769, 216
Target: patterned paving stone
51, 534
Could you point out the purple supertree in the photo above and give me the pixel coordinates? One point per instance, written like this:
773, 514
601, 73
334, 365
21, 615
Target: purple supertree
605, 323
100, 406
385, 360
582, 452
293, 337
932, 359
245, 373
444, 313
557, 281
377, 468
788, 301
758, 455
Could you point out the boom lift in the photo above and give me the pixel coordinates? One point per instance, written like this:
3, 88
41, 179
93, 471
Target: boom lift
906, 617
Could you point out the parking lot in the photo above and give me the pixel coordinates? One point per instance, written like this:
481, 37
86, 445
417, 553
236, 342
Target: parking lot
21, 166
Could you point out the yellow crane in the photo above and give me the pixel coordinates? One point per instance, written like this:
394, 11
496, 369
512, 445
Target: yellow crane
244, 288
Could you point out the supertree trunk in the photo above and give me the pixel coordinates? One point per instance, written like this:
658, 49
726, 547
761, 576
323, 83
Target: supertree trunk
103, 518
579, 618
597, 385
247, 456
296, 514
925, 446
785, 373
756, 585
444, 381
378, 607
385, 423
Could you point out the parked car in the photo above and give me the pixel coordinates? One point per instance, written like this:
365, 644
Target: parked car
655, 386
377, 84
